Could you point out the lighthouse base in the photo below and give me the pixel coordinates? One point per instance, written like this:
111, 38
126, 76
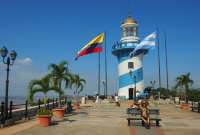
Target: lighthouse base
128, 91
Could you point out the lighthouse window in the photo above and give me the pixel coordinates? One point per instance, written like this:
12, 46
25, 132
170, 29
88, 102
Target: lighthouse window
128, 31
124, 32
130, 65
135, 31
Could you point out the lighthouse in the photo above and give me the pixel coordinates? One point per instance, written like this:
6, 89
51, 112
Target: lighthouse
130, 69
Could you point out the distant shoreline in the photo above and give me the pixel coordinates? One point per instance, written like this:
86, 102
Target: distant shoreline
15, 99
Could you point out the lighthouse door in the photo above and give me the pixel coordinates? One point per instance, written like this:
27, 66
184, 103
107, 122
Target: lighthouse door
130, 93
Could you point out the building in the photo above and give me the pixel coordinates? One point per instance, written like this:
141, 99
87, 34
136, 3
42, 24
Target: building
130, 70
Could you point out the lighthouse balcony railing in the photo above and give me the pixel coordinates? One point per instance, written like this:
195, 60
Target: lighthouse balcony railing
119, 46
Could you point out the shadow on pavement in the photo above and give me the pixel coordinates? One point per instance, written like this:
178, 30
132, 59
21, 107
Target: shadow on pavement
76, 113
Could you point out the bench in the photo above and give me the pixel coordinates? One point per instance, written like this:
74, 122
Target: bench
154, 116
135, 114
195, 106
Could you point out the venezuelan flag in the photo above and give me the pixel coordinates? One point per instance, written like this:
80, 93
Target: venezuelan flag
94, 46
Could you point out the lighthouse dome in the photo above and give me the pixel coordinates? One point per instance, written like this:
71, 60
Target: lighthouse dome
129, 20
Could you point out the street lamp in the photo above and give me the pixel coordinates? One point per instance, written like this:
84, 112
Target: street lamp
134, 78
104, 87
135, 88
153, 83
8, 59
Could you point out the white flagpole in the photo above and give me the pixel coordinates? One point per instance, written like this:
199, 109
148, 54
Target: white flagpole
106, 74
158, 56
99, 77
166, 61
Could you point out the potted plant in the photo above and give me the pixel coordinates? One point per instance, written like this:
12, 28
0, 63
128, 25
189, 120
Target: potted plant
58, 112
78, 83
44, 117
45, 85
76, 104
184, 81
59, 74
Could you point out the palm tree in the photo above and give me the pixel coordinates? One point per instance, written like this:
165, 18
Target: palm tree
43, 85
60, 73
78, 83
184, 81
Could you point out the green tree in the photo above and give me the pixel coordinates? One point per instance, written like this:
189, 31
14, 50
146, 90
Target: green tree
42, 85
78, 83
173, 92
194, 95
60, 74
164, 93
184, 81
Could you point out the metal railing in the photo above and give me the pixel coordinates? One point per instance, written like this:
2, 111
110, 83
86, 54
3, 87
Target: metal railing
18, 112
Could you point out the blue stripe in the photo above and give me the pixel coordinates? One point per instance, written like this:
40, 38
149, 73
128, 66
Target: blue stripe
126, 79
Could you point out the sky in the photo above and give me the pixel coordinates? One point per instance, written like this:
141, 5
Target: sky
48, 31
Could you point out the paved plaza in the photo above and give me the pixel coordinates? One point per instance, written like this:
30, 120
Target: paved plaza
108, 119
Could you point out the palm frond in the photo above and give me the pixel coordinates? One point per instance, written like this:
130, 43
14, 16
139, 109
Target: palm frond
32, 92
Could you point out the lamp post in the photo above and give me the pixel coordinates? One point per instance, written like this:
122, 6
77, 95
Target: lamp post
153, 83
153, 87
134, 78
104, 87
135, 88
8, 59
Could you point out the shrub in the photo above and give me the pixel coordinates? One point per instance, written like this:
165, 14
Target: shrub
44, 112
194, 95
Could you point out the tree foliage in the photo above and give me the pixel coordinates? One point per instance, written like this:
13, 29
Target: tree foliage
58, 74
184, 82
194, 95
42, 85
78, 83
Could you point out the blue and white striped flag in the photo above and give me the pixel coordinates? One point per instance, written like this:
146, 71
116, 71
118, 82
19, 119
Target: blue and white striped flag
148, 42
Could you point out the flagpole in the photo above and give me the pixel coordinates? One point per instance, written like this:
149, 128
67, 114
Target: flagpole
99, 77
158, 56
106, 74
166, 60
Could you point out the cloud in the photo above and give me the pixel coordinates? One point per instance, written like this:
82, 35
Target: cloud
21, 73
25, 61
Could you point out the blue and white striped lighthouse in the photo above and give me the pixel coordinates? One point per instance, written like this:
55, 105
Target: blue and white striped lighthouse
130, 70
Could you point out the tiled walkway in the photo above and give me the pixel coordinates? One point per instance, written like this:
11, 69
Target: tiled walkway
107, 119
101, 119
